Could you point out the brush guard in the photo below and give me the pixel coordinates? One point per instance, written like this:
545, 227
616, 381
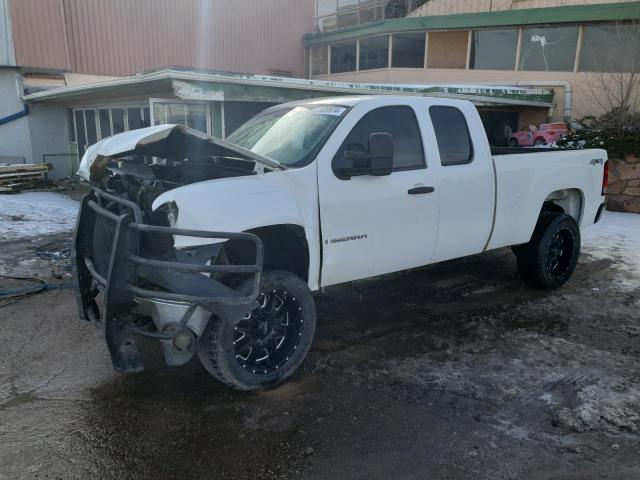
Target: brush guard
106, 256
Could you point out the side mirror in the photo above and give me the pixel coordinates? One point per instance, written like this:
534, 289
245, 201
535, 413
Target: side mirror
380, 154
376, 161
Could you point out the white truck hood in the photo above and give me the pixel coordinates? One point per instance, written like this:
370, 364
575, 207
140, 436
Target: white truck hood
160, 141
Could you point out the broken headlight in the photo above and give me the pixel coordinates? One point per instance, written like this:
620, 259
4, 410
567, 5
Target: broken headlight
172, 214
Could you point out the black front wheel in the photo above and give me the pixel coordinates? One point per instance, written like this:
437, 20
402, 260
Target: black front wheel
549, 259
269, 343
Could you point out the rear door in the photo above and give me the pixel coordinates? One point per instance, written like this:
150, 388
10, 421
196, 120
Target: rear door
466, 179
373, 225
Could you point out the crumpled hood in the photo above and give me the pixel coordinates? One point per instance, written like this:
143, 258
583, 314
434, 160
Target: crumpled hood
161, 141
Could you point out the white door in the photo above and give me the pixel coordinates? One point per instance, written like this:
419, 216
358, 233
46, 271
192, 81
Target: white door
465, 181
372, 225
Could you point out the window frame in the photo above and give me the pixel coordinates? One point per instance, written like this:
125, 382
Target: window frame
359, 53
516, 51
355, 56
581, 45
424, 165
521, 46
207, 105
392, 40
472, 152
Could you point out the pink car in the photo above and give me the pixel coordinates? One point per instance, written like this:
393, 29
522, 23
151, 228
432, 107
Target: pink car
532, 136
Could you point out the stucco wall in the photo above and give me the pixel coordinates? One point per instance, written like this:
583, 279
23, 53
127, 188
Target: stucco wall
43, 130
48, 128
448, 7
14, 136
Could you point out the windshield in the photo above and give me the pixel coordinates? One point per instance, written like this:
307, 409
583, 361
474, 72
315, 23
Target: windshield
291, 135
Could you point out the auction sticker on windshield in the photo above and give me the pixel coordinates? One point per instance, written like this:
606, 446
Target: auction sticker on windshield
328, 110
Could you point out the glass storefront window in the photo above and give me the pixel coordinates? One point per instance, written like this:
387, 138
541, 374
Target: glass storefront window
80, 135
117, 116
374, 53
610, 48
90, 125
343, 57
71, 125
197, 117
192, 115
408, 50
105, 122
90, 122
134, 118
319, 60
549, 49
494, 49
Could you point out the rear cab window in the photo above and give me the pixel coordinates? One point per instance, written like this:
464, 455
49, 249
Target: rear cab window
452, 135
399, 121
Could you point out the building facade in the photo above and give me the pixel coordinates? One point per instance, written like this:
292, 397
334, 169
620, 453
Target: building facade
581, 49
52, 44
75, 71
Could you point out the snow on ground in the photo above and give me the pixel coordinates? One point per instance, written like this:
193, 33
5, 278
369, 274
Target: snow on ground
36, 213
616, 237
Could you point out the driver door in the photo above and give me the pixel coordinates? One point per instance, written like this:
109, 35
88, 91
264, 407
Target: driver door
372, 225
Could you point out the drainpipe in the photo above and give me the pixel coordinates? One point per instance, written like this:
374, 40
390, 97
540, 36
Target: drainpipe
15, 116
25, 108
568, 91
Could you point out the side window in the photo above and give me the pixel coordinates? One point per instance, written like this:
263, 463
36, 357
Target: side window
452, 134
402, 124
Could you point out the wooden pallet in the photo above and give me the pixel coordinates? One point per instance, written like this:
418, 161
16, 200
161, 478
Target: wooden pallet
26, 167
24, 177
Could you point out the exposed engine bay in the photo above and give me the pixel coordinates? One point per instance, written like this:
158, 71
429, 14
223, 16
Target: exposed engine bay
143, 179
142, 164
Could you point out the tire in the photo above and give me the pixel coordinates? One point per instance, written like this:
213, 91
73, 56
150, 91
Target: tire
233, 353
539, 142
551, 256
513, 142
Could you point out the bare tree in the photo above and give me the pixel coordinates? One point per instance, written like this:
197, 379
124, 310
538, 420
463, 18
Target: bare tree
613, 81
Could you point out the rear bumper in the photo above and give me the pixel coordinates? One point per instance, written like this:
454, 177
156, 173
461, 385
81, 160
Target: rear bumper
107, 258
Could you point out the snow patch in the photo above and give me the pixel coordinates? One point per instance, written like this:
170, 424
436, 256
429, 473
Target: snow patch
36, 213
616, 237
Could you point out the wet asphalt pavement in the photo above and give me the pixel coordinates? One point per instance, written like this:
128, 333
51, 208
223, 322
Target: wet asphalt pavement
454, 371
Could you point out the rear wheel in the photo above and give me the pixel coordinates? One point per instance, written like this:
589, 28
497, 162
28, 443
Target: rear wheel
550, 258
269, 343
513, 142
539, 142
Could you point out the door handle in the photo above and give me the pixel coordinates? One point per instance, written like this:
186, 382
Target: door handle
420, 190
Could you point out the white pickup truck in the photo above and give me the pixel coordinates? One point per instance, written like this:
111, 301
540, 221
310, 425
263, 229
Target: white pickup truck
214, 247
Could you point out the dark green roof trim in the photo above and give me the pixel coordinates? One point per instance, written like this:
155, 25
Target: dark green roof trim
531, 16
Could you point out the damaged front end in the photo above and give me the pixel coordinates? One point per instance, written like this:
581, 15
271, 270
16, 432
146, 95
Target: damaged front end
126, 251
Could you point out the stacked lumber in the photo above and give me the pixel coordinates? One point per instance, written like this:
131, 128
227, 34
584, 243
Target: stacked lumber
27, 176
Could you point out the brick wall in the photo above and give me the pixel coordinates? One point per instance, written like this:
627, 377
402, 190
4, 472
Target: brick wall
624, 185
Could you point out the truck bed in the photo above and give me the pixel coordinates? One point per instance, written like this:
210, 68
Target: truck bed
499, 151
524, 179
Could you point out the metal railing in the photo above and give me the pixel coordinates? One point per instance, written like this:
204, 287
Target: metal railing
364, 12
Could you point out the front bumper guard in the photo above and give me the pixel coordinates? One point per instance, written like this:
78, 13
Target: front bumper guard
128, 278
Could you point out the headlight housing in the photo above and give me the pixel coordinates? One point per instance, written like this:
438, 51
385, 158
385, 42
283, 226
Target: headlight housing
172, 214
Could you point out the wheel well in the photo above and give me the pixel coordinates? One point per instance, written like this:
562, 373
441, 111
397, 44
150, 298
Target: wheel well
569, 201
285, 248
